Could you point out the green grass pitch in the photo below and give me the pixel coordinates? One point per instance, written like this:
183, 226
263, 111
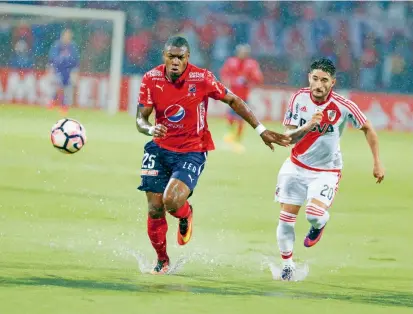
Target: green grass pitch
72, 225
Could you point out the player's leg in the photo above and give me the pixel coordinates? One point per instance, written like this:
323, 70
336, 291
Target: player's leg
240, 130
290, 193
231, 119
187, 169
67, 95
286, 237
176, 203
157, 229
154, 178
321, 193
237, 145
58, 93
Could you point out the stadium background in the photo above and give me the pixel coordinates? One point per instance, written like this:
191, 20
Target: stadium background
73, 228
370, 42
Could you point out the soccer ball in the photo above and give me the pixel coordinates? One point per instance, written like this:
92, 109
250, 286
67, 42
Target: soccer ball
68, 136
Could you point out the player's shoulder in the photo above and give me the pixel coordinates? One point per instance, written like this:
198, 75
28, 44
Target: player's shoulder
343, 101
232, 60
155, 74
251, 62
302, 94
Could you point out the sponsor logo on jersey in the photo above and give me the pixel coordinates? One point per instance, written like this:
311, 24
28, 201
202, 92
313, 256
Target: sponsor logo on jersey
149, 99
193, 75
174, 113
153, 73
303, 109
152, 173
202, 114
325, 128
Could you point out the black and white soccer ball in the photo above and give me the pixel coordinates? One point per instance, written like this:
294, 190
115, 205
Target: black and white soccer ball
68, 136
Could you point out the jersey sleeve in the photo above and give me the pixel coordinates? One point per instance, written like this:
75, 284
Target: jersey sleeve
355, 115
292, 116
214, 88
145, 93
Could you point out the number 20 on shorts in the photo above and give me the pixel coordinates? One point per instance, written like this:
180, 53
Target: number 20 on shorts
327, 192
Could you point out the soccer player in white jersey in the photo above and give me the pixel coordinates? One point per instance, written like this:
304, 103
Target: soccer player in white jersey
315, 120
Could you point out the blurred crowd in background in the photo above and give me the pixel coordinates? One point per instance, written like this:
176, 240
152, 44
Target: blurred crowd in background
371, 43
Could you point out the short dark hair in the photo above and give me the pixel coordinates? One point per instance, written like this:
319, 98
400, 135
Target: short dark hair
325, 65
177, 41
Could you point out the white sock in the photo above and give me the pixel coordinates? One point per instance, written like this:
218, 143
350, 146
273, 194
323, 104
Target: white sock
316, 215
286, 236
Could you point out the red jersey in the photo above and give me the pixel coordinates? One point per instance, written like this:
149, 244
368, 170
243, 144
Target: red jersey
182, 106
240, 74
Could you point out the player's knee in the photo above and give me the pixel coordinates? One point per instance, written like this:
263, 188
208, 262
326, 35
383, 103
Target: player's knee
156, 210
170, 202
315, 214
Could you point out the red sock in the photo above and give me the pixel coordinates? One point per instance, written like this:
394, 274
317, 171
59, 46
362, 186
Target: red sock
182, 212
157, 229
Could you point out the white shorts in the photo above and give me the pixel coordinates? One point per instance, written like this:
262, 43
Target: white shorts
295, 185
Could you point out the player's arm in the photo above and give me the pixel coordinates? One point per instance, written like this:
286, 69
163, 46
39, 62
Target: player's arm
144, 126
373, 141
297, 133
144, 110
242, 109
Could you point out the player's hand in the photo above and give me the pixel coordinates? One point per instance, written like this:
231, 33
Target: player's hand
378, 172
160, 130
270, 137
316, 118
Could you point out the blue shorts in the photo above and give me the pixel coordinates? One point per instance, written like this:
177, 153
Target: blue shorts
159, 165
63, 79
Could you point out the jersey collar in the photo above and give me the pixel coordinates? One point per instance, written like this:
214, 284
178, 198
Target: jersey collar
182, 77
320, 103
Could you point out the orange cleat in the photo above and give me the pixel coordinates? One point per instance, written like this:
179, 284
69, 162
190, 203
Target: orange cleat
185, 229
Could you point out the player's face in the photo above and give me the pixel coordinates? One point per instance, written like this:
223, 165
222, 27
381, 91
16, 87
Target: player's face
67, 37
176, 60
321, 84
243, 53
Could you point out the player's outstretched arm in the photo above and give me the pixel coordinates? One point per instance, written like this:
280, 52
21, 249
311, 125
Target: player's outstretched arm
373, 141
297, 133
242, 109
144, 126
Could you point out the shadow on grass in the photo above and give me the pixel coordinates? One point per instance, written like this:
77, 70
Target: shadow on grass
349, 294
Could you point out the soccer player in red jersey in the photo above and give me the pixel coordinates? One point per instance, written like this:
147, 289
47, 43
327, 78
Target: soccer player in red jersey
175, 158
239, 73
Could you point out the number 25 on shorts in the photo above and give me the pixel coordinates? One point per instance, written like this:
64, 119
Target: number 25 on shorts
148, 161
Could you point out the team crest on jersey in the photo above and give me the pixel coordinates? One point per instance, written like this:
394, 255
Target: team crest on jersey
331, 114
174, 113
192, 88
